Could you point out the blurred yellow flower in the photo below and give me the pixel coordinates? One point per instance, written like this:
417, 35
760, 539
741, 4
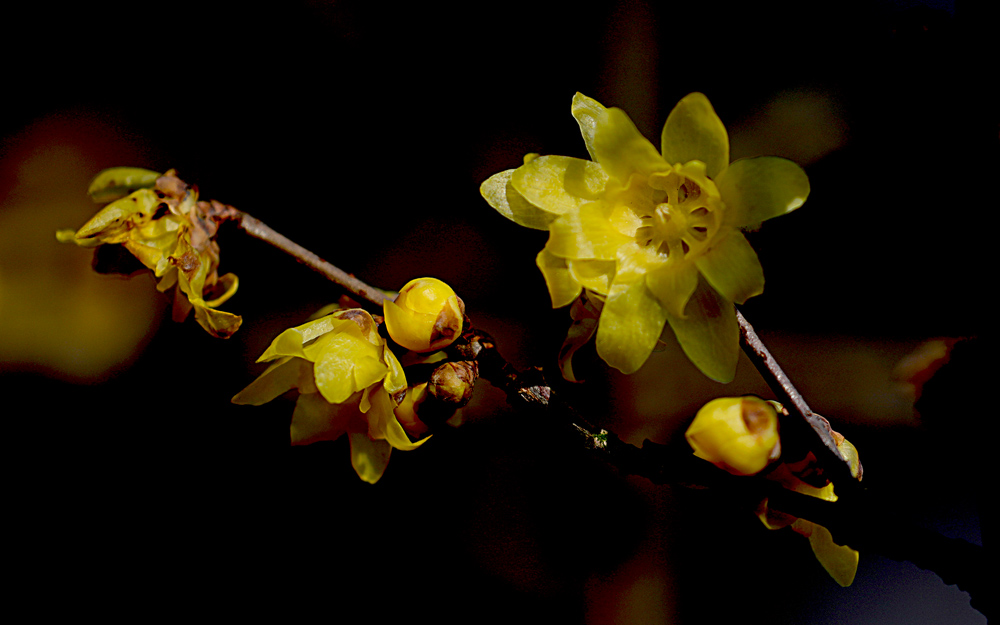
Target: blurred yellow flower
163, 224
655, 235
348, 382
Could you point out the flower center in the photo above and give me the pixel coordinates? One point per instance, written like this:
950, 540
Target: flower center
684, 218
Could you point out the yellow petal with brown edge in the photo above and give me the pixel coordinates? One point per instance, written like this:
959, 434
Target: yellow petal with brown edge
218, 323
557, 184
708, 333
315, 419
731, 266
369, 458
693, 131
563, 287
840, 561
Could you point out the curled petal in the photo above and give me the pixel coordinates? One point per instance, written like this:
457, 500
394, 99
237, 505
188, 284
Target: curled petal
563, 286
218, 323
693, 132
118, 182
226, 286
757, 189
109, 224
731, 266
614, 141
277, 379
509, 203
369, 458
630, 325
840, 561
557, 184
709, 333
382, 422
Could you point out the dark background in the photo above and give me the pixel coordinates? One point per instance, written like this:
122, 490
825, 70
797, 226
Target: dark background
363, 131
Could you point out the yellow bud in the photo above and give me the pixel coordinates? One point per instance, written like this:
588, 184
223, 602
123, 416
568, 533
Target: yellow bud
738, 434
426, 316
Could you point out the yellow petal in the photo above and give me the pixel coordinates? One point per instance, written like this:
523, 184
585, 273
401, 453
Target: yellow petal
630, 325
563, 287
369, 458
315, 419
291, 341
614, 141
586, 234
595, 275
218, 323
557, 184
673, 284
709, 333
382, 422
731, 266
347, 364
756, 189
276, 380
840, 561
508, 202
117, 182
108, 225
692, 132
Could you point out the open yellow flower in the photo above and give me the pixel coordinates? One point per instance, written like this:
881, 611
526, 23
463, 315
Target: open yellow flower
348, 382
161, 222
656, 235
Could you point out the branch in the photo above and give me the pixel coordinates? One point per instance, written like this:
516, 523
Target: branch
806, 424
856, 520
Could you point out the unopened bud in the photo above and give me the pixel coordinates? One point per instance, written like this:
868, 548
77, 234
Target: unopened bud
453, 382
426, 316
738, 434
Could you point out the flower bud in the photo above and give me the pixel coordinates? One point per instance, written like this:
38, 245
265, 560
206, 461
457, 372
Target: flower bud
426, 316
738, 434
453, 382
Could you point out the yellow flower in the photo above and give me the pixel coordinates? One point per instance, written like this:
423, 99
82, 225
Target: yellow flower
161, 222
348, 382
656, 235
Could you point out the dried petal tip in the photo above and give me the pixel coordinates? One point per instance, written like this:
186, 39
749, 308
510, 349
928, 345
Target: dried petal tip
738, 434
426, 316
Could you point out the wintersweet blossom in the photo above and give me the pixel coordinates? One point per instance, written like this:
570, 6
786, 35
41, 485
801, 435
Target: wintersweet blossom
348, 381
657, 236
160, 221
